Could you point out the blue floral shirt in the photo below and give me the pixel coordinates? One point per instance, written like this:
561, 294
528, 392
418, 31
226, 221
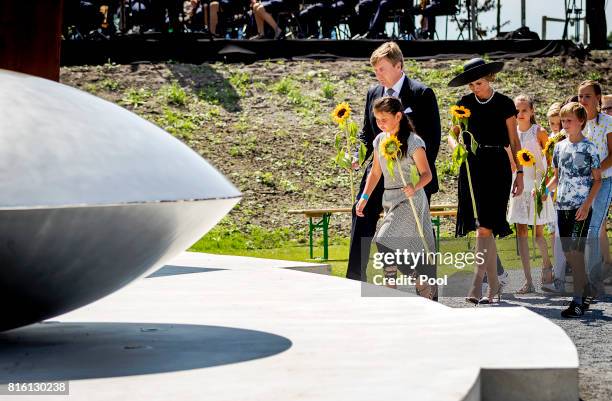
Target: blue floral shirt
575, 162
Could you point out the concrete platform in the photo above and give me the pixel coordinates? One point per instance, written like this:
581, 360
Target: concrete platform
229, 328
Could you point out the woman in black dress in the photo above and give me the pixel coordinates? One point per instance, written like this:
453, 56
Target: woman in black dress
493, 124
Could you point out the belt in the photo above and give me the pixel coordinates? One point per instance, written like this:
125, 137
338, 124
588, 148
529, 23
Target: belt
491, 146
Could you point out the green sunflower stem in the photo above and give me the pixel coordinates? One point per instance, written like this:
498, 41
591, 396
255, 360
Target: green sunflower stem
467, 166
460, 158
535, 213
347, 136
351, 177
416, 217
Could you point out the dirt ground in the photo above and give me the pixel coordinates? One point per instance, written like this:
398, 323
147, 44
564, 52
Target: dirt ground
267, 125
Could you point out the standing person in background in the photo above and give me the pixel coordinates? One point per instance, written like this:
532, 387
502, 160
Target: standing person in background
522, 208
430, 8
376, 28
265, 12
226, 8
159, 10
606, 107
421, 107
596, 19
606, 104
558, 286
554, 119
598, 130
493, 124
329, 13
577, 180
311, 15
360, 22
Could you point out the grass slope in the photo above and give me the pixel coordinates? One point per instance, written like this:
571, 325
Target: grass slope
266, 126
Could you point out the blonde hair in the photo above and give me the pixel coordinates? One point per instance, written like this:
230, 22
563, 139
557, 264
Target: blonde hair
529, 100
575, 109
554, 110
490, 77
390, 51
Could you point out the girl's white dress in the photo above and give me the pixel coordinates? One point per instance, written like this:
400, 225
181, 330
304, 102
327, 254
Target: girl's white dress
522, 207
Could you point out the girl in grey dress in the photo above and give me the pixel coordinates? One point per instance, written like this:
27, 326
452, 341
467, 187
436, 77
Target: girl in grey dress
406, 208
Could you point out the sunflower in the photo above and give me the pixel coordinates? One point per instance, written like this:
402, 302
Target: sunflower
390, 148
525, 158
559, 137
460, 112
341, 113
549, 147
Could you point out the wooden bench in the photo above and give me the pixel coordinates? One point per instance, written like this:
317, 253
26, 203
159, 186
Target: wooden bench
323, 216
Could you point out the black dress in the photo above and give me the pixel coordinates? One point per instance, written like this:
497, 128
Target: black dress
489, 167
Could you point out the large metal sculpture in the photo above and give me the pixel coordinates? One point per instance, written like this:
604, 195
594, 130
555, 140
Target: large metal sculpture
91, 197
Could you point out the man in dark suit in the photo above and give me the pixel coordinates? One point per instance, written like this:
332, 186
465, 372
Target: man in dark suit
420, 105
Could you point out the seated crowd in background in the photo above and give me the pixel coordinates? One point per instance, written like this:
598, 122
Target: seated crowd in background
254, 19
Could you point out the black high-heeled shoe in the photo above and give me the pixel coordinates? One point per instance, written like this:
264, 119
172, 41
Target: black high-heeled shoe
476, 284
490, 297
428, 291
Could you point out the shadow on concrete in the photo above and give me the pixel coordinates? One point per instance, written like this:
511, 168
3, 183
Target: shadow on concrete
592, 317
551, 306
171, 270
56, 351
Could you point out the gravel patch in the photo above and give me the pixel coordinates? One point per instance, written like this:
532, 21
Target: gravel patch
592, 334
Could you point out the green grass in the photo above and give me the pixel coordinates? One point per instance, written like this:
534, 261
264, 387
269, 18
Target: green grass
181, 125
338, 255
328, 90
135, 97
109, 84
446, 168
174, 94
227, 238
283, 86
241, 82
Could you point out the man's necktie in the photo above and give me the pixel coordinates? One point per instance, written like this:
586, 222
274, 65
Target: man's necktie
390, 92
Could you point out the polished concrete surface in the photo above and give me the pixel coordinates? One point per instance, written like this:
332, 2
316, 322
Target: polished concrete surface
210, 327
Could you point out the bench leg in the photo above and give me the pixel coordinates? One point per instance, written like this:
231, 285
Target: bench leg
325, 221
323, 225
436, 222
311, 228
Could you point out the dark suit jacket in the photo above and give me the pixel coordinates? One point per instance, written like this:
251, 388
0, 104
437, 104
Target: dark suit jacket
425, 116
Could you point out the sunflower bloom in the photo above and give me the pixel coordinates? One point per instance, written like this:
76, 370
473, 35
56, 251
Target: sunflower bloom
559, 137
548, 147
460, 112
341, 113
390, 147
525, 158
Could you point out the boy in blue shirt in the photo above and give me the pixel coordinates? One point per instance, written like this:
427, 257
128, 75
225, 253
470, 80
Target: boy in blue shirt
577, 179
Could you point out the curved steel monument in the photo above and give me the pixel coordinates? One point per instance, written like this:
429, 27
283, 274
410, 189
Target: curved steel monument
92, 197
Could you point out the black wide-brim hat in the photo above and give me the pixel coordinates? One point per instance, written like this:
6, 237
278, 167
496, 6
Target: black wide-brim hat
475, 69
